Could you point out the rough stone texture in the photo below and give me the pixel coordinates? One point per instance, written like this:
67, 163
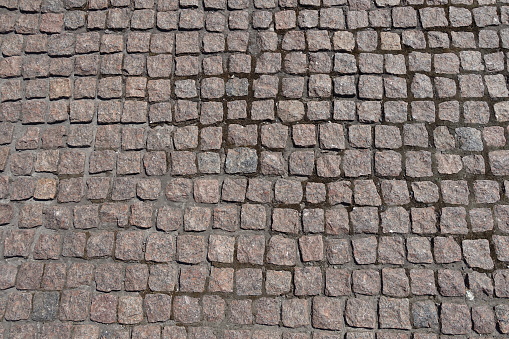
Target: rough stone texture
455, 319
288, 169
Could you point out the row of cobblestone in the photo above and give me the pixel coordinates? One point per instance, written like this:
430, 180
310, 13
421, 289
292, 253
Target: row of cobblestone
325, 313
212, 16
254, 248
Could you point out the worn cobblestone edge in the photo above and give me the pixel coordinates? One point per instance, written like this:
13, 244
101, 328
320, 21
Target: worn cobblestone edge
288, 169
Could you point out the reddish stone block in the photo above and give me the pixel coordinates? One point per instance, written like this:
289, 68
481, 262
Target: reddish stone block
130, 309
337, 221
226, 217
446, 250
103, 308
361, 313
146, 331
109, 277
157, 307
7, 275
160, 248
366, 282
213, 308
311, 248
251, 249
163, 277
48, 246
79, 274
455, 318
100, 244
129, 245
18, 307
394, 313
191, 249
327, 313
286, 220
17, 243
267, 311
477, 253
483, 318
295, 313
337, 282
136, 277
253, 217
197, 218
282, 251
29, 276
74, 305
221, 279
54, 276
308, 280
169, 218
422, 282
501, 279
391, 250
187, 309
193, 278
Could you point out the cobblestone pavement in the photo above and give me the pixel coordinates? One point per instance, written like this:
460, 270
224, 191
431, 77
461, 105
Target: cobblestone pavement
288, 169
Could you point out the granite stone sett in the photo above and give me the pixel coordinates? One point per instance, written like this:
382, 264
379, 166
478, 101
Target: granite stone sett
288, 169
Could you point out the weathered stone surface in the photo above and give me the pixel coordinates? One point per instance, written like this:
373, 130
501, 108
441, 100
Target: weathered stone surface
455, 319
288, 169
241, 160
477, 253
361, 313
394, 313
